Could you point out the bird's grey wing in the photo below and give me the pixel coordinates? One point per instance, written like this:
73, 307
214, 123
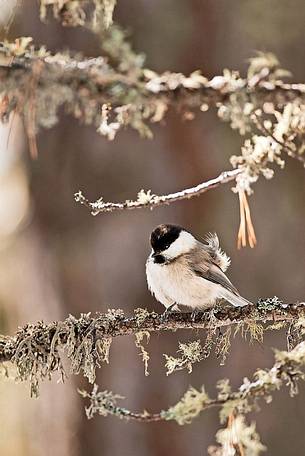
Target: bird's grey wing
203, 265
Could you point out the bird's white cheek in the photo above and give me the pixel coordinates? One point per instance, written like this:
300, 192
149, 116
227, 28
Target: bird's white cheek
184, 244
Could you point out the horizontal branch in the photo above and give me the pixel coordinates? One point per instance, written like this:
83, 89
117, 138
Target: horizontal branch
36, 349
287, 370
96, 74
149, 200
137, 95
115, 324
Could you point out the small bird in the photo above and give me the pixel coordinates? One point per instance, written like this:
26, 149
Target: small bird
185, 274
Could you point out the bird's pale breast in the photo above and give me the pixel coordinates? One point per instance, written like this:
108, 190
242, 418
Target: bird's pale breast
175, 283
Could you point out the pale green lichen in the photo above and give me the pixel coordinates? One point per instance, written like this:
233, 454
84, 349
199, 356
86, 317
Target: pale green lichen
224, 388
255, 331
146, 197
189, 407
142, 314
223, 344
103, 348
101, 402
191, 353
75, 13
237, 438
269, 303
283, 132
276, 326
267, 63
38, 350
140, 335
139, 96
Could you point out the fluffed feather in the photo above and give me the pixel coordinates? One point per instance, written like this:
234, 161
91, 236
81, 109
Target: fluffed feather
219, 256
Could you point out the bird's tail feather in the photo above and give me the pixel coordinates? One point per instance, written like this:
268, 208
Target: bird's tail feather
235, 300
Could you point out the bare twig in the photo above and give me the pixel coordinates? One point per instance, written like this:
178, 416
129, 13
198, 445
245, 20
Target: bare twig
149, 200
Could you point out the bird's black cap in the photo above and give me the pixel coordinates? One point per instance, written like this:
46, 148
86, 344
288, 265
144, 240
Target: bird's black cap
163, 236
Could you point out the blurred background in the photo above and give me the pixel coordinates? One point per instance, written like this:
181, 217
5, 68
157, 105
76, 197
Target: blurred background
56, 259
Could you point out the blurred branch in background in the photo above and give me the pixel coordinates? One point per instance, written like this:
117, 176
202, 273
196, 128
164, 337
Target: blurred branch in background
111, 97
136, 94
75, 13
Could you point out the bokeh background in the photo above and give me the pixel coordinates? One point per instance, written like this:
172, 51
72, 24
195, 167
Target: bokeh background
56, 259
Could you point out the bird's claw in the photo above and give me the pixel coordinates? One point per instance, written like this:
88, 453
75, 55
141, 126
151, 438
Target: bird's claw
194, 315
167, 312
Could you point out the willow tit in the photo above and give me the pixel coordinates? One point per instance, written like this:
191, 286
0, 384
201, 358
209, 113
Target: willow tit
183, 273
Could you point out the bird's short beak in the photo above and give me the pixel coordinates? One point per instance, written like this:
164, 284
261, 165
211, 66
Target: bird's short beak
156, 253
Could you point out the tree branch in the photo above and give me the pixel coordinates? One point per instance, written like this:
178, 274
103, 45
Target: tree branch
36, 350
96, 73
149, 200
115, 324
286, 370
136, 94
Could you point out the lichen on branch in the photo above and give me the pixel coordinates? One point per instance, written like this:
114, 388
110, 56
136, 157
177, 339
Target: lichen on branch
37, 350
75, 13
136, 94
287, 370
149, 200
115, 90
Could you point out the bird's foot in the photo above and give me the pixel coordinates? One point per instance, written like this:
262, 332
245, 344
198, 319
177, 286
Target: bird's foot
167, 313
194, 314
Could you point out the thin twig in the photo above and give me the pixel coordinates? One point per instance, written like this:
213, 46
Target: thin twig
286, 370
148, 200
